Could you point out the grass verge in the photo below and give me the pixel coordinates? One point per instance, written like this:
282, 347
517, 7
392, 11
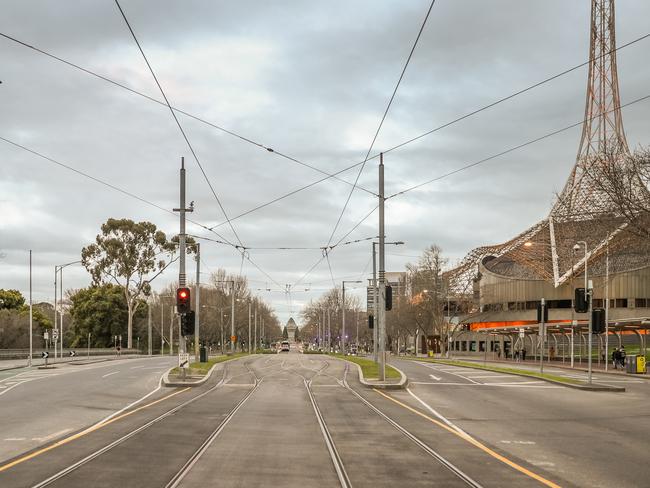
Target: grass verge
370, 368
201, 369
499, 369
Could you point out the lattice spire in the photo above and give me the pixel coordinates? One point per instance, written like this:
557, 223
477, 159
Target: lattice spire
603, 137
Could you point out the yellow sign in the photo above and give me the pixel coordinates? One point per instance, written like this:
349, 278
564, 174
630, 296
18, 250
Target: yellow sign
233, 338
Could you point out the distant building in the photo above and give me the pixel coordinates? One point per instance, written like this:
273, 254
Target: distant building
291, 330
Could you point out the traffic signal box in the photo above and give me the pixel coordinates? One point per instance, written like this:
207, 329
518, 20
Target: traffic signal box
371, 322
389, 297
539, 314
183, 300
187, 324
598, 320
581, 303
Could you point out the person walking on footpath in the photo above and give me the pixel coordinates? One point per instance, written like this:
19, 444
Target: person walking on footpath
615, 357
523, 354
621, 357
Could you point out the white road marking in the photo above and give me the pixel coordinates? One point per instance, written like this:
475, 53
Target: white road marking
137, 367
10, 439
109, 374
51, 436
426, 365
434, 412
434, 377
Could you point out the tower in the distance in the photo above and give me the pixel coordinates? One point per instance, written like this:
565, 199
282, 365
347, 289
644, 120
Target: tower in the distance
603, 137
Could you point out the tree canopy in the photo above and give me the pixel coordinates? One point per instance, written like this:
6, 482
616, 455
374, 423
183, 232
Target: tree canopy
126, 253
11, 299
101, 311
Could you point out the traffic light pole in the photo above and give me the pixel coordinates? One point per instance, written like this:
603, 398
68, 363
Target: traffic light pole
542, 337
197, 292
590, 293
182, 278
382, 276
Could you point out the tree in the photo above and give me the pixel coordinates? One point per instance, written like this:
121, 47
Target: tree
101, 311
624, 180
428, 291
11, 299
126, 253
285, 333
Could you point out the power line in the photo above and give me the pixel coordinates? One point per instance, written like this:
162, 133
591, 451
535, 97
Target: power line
183, 112
439, 128
180, 127
381, 123
512, 149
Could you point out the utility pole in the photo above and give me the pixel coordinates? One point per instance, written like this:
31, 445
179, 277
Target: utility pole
607, 306
162, 327
255, 333
182, 278
542, 337
382, 276
375, 299
197, 292
149, 343
329, 331
171, 330
31, 312
249, 327
343, 317
56, 290
232, 318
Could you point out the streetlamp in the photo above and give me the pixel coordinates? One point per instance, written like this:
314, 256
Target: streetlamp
343, 337
232, 313
59, 269
589, 293
375, 332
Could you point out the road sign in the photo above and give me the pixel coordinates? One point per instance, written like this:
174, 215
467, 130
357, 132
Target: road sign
72, 354
522, 333
183, 360
46, 335
45, 354
55, 334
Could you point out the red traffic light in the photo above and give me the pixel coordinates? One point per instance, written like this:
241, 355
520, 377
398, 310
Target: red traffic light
183, 300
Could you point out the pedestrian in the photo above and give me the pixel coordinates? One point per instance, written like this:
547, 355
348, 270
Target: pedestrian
621, 357
523, 354
517, 355
551, 353
498, 353
615, 357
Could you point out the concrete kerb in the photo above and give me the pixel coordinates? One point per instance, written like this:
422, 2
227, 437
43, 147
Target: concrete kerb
199, 382
400, 385
584, 387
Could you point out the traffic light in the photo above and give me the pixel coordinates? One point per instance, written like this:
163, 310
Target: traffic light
581, 304
183, 300
187, 324
371, 322
539, 313
389, 297
598, 320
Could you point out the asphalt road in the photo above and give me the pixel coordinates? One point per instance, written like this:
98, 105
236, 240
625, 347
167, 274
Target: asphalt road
304, 420
40, 405
594, 439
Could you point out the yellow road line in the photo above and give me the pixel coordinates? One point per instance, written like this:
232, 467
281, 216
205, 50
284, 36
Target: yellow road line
475, 443
84, 432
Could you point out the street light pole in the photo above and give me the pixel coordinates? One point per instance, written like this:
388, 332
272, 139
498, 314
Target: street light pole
232, 319
249, 327
31, 312
343, 316
197, 315
589, 293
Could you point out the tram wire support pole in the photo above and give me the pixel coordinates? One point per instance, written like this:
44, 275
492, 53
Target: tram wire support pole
197, 315
182, 277
382, 275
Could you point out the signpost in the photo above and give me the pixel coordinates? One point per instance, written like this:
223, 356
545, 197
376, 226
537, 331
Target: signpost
72, 354
45, 355
184, 360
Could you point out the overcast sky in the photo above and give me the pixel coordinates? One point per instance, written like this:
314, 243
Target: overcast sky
311, 80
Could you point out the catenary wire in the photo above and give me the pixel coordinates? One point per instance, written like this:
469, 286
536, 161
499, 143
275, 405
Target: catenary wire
180, 127
381, 123
512, 149
234, 134
180, 111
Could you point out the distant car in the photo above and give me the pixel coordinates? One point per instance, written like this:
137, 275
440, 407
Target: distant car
284, 347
